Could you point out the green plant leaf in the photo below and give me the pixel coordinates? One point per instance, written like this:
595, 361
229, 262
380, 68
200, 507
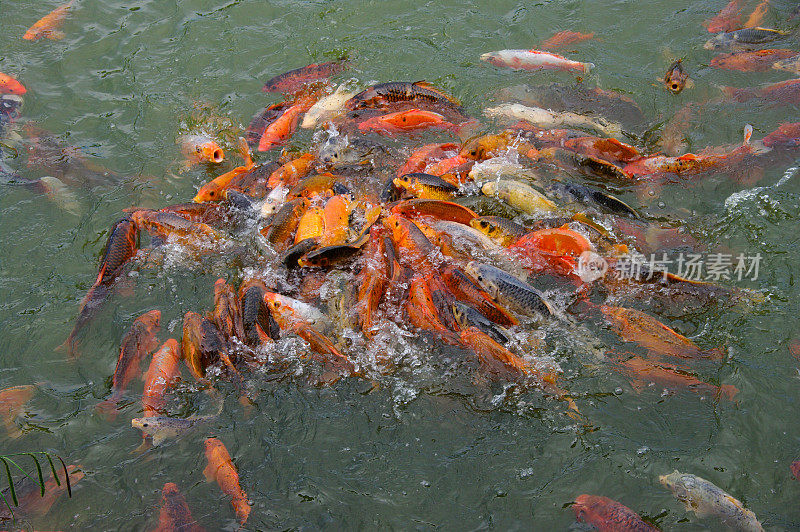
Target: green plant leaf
66, 475
53, 469
39, 471
10, 481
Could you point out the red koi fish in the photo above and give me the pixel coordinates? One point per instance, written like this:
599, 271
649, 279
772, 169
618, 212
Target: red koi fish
175, 515
121, 247
139, 341
294, 80
781, 92
690, 163
607, 515
786, 136
752, 61
728, 19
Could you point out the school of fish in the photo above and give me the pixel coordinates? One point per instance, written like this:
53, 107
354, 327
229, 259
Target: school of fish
410, 219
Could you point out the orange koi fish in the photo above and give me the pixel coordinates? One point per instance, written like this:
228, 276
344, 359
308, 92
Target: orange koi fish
11, 402
636, 326
442, 210
163, 371
138, 342
9, 85
690, 163
214, 190
422, 157
220, 468
201, 149
174, 515
757, 15
608, 515
565, 38
290, 173
423, 314
48, 26
278, 132
728, 18
202, 345
404, 122
371, 280
672, 375
227, 315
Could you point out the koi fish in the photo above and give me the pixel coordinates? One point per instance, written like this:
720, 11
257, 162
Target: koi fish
227, 315
676, 79
121, 247
379, 96
781, 92
214, 190
327, 108
753, 61
31, 501
534, 60
520, 196
565, 38
636, 326
294, 80
672, 375
48, 26
690, 163
743, 39
548, 119
426, 186
259, 326
757, 15
138, 342
728, 18
278, 132
174, 515
12, 400
201, 149
789, 64
9, 85
608, 515
220, 468
161, 428
202, 345
706, 499
163, 371
786, 136
405, 121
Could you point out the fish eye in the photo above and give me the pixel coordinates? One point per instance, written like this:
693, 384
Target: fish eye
674, 86
145, 424
198, 149
211, 193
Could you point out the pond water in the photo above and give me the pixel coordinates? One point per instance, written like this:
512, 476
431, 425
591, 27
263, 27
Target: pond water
428, 446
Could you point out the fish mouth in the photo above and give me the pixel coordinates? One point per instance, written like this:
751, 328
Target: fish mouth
487, 56
663, 480
218, 155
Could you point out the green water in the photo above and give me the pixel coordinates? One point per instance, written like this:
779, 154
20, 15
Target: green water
425, 450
